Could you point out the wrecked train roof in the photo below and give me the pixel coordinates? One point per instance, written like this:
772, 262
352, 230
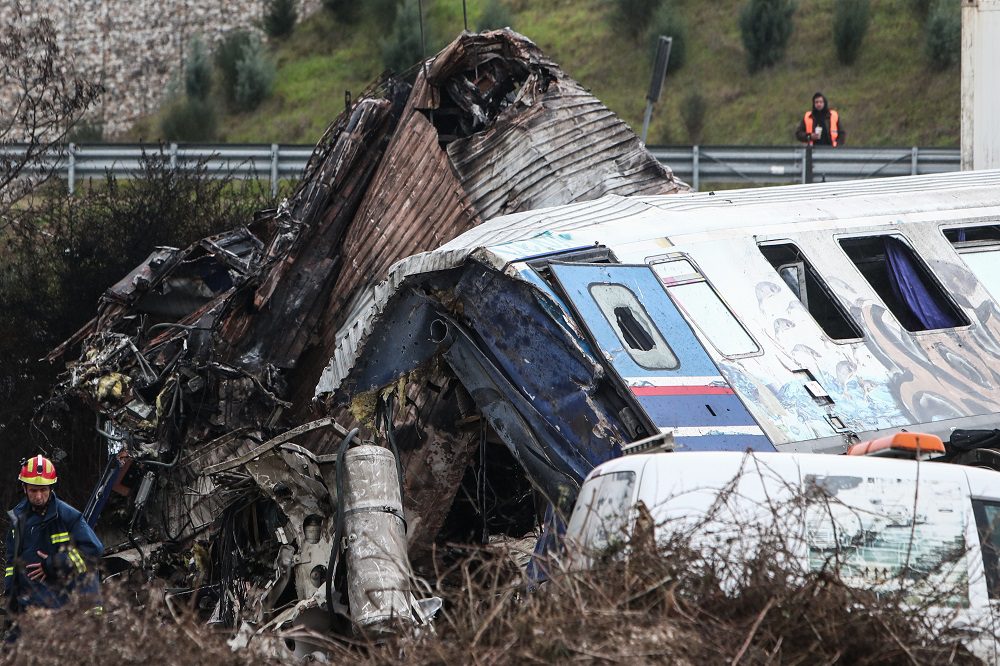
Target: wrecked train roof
664, 221
199, 355
491, 126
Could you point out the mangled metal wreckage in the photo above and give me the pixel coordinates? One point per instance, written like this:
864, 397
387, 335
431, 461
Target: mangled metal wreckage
477, 409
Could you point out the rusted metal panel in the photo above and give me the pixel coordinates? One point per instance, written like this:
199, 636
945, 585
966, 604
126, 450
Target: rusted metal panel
293, 290
235, 331
414, 204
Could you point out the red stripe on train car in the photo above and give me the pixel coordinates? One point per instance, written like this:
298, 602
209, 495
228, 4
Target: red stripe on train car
682, 390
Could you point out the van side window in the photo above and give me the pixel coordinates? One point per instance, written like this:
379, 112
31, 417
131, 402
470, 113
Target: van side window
980, 250
988, 522
703, 308
807, 285
634, 327
903, 282
603, 514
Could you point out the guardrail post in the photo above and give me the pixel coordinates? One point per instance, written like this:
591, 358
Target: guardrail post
274, 171
71, 168
695, 176
173, 156
914, 154
807, 165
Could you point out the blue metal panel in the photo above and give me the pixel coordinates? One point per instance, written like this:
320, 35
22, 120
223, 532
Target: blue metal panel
694, 410
576, 280
692, 400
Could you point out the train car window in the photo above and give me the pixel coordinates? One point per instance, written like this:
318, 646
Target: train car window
979, 248
811, 290
702, 307
634, 327
903, 282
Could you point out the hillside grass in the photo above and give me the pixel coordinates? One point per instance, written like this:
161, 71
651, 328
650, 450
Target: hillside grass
889, 97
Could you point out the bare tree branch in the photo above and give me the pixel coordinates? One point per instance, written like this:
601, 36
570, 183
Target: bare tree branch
41, 98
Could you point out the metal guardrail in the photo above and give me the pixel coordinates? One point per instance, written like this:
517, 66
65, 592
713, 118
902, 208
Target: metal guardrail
761, 165
742, 165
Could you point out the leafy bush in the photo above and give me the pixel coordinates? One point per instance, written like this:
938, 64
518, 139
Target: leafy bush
279, 17
255, 75
495, 15
401, 49
943, 44
344, 10
765, 26
693, 108
190, 119
59, 255
921, 8
228, 53
635, 14
667, 21
850, 23
197, 72
383, 12
88, 130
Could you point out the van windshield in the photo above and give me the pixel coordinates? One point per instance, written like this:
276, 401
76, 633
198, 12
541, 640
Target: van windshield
602, 515
988, 524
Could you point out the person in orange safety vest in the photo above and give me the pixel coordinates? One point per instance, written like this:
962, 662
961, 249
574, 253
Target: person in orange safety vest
822, 125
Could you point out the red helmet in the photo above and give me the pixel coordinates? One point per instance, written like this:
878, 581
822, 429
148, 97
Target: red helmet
38, 471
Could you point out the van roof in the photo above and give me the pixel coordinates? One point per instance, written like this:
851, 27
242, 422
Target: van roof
709, 464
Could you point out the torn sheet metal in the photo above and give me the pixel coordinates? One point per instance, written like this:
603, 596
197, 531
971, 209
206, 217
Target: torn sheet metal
200, 359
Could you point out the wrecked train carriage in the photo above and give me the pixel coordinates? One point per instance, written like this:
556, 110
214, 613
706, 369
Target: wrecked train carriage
798, 319
199, 360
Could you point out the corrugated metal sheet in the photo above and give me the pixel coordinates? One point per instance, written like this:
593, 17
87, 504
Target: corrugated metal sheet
493, 127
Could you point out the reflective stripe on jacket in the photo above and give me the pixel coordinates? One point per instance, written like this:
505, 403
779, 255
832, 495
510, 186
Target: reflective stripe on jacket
71, 547
834, 125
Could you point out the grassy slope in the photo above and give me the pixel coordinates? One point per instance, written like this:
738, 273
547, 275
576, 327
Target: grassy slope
890, 97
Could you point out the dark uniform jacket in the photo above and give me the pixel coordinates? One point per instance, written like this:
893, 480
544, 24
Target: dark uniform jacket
72, 549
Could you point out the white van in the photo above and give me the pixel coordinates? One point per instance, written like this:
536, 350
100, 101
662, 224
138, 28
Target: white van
875, 518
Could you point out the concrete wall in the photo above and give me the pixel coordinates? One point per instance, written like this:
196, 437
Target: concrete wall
135, 47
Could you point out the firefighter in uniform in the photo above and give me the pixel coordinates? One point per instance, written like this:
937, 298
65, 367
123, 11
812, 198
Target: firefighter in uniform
51, 550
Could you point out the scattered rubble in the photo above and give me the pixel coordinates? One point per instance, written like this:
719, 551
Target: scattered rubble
228, 479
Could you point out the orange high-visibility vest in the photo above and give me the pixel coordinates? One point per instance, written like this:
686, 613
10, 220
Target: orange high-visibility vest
834, 126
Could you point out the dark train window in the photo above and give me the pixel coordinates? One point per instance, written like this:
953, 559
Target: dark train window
903, 282
807, 285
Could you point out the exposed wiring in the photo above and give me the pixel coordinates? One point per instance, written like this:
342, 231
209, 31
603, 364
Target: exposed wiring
338, 531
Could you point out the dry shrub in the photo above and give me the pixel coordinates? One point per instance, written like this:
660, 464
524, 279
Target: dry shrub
133, 629
665, 603
669, 603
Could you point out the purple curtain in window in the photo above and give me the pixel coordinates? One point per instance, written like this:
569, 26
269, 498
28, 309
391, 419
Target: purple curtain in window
907, 283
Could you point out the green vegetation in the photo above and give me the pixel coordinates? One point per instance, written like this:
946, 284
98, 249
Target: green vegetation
634, 15
944, 34
669, 22
198, 72
890, 96
766, 26
279, 17
693, 108
60, 252
192, 117
254, 77
402, 48
850, 22
495, 15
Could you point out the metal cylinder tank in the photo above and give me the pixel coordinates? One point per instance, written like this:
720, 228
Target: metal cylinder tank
378, 569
